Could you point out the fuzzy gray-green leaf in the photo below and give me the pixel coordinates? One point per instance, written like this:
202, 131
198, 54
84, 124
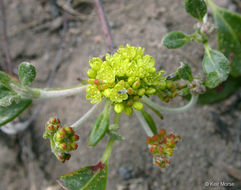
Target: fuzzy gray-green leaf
196, 8
229, 36
175, 40
185, 72
26, 73
216, 67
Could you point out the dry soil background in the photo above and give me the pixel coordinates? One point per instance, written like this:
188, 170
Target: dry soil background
210, 149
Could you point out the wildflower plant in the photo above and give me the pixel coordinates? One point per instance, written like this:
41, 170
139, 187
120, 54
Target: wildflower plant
125, 81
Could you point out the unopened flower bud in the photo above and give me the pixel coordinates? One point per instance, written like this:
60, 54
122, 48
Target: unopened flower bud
130, 91
141, 92
150, 91
74, 146
138, 105
75, 138
169, 84
152, 70
62, 131
130, 103
128, 111
136, 84
91, 73
119, 108
162, 85
62, 146
69, 130
59, 137
136, 98
107, 92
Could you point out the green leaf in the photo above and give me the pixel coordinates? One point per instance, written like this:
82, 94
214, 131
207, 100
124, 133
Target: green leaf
221, 92
10, 112
229, 36
196, 8
175, 40
5, 80
185, 72
149, 121
216, 66
154, 110
26, 73
9, 99
99, 129
88, 178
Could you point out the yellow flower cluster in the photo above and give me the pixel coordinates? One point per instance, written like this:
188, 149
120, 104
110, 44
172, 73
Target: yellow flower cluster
123, 78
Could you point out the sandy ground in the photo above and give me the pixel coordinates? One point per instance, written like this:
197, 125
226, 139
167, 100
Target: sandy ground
210, 148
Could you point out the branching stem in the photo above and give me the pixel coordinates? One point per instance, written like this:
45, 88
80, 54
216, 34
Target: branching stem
106, 155
163, 109
45, 94
79, 122
144, 124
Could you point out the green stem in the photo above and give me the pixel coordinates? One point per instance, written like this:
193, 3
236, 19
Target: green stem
52, 93
85, 117
38, 94
163, 109
107, 153
144, 124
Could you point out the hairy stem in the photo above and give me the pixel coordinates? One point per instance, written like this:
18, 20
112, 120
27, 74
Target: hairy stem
163, 109
106, 155
144, 124
51, 93
84, 118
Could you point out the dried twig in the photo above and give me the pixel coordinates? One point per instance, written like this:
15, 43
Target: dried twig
70, 11
105, 25
5, 37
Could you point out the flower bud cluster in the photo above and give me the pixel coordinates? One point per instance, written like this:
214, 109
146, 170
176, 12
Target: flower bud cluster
124, 78
51, 127
205, 28
169, 90
63, 139
197, 87
162, 146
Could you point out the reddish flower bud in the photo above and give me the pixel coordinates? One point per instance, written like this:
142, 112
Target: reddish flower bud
53, 120
162, 132
160, 149
75, 138
74, 146
149, 140
59, 137
130, 103
62, 131
63, 146
50, 128
130, 91
152, 150
136, 98
163, 147
96, 82
69, 130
